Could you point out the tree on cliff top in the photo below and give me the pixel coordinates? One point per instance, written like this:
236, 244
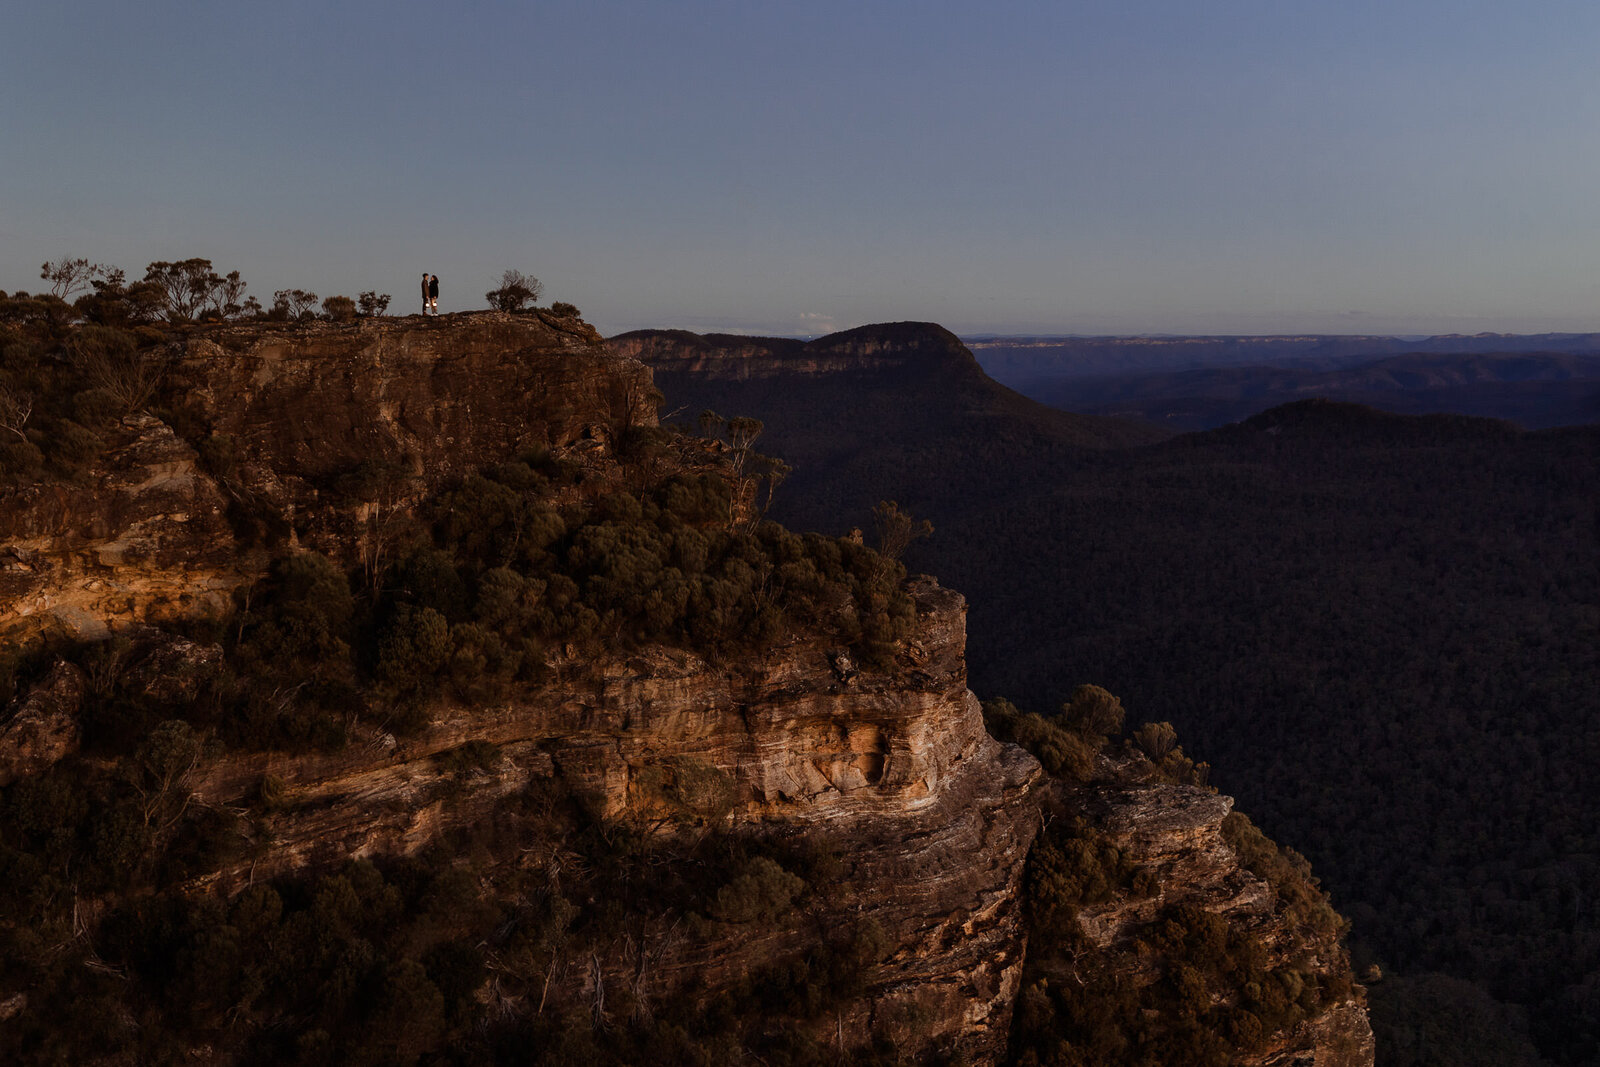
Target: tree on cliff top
192, 286
69, 276
517, 290
339, 309
292, 305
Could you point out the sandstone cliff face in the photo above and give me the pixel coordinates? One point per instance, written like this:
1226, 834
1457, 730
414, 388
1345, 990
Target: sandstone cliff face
321, 429
928, 818
439, 397
147, 539
1173, 834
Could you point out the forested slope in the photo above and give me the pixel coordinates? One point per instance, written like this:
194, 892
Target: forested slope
1382, 629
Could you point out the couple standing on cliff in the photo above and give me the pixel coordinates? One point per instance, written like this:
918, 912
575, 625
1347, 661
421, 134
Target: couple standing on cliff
430, 293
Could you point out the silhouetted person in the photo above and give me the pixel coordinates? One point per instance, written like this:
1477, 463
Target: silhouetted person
424, 292
433, 294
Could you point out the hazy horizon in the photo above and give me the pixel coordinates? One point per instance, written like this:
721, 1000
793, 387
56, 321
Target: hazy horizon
1021, 168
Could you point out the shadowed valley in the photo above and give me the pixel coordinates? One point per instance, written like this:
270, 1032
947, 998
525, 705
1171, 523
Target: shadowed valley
1381, 630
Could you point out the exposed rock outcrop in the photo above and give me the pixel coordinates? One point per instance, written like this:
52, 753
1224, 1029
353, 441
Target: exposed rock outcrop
44, 727
146, 539
320, 431
433, 399
311, 435
1173, 835
930, 816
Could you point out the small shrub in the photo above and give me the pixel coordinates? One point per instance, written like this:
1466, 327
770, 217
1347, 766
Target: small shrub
339, 309
762, 891
292, 305
516, 291
414, 647
1156, 740
371, 304
300, 614
1061, 751
1092, 710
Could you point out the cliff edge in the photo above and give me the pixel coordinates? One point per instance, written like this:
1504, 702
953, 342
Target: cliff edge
396, 686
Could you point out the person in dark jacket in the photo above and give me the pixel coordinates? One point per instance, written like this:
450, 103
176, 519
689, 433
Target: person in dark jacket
433, 294
424, 292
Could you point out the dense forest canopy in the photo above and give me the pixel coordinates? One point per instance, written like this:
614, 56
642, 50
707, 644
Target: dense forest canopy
1383, 631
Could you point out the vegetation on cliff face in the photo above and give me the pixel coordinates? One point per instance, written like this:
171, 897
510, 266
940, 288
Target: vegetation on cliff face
447, 957
110, 950
133, 929
1200, 988
1381, 630
496, 586
528, 568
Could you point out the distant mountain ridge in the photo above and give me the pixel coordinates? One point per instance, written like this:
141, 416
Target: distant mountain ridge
1199, 383
1535, 390
1019, 359
903, 346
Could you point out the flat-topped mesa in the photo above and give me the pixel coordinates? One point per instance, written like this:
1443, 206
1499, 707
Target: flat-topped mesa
921, 348
861, 407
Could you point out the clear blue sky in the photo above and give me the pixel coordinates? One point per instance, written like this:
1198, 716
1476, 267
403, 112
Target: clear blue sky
1108, 166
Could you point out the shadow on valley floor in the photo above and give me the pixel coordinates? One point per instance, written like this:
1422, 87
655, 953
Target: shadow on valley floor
1383, 631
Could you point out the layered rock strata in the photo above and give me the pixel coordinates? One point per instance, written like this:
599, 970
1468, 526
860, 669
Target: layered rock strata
320, 431
146, 539
930, 817
323, 428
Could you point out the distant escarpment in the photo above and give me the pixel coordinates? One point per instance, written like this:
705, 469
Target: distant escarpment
898, 372
400, 691
902, 349
874, 413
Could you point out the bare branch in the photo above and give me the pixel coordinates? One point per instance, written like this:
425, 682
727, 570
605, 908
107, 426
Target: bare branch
16, 406
517, 290
68, 276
